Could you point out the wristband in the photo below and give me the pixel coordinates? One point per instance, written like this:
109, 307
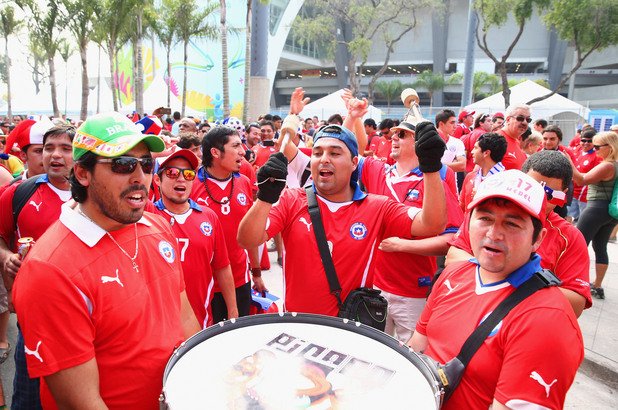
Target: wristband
256, 272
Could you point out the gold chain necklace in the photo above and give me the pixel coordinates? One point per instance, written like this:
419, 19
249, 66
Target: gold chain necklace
135, 266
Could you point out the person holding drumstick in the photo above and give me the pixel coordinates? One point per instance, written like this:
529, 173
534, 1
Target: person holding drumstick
354, 222
530, 358
100, 297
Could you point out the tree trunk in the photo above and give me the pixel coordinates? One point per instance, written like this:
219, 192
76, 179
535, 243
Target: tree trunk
354, 77
83, 44
184, 79
99, 81
52, 84
246, 96
224, 63
112, 52
9, 111
139, 72
169, 73
506, 91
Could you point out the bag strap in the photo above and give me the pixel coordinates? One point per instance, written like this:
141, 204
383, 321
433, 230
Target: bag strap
539, 280
22, 194
320, 238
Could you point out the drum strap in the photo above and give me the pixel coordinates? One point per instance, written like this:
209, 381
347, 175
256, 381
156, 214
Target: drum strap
450, 374
320, 238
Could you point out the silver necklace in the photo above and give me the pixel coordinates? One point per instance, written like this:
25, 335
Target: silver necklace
135, 266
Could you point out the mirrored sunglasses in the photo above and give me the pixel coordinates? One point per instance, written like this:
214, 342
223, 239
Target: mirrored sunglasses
126, 165
174, 173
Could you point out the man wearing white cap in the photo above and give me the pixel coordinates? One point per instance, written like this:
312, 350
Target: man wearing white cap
531, 357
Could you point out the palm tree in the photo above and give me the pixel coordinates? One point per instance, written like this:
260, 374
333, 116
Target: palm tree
482, 79
65, 51
431, 82
163, 22
79, 16
44, 34
191, 22
390, 90
10, 25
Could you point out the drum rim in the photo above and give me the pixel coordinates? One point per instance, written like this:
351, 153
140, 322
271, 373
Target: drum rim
292, 317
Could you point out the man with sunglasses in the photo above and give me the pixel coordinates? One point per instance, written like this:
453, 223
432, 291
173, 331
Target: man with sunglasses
101, 297
41, 210
517, 121
203, 253
404, 267
221, 187
586, 158
562, 249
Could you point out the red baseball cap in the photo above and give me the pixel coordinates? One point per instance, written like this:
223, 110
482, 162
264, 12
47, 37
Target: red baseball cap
498, 115
182, 153
464, 113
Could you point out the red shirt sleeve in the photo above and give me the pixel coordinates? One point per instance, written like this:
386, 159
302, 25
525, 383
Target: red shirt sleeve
7, 226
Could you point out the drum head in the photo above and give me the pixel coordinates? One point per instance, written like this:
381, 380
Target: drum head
283, 361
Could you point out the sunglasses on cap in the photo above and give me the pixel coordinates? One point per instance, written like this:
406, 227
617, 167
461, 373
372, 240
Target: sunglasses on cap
521, 118
174, 172
554, 196
585, 141
598, 147
126, 165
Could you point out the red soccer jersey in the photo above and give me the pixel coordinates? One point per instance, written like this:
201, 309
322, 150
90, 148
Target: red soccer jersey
515, 156
584, 162
381, 148
41, 210
469, 140
531, 356
563, 251
402, 273
353, 233
201, 244
461, 130
78, 298
231, 202
262, 154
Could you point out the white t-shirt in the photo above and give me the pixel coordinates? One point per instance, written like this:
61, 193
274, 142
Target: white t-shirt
454, 148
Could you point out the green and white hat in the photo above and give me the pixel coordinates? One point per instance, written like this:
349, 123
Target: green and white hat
111, 135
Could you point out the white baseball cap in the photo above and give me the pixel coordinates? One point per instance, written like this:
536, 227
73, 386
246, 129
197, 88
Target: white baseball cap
516, 187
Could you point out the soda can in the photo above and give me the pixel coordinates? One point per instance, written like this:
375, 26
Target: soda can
24, 245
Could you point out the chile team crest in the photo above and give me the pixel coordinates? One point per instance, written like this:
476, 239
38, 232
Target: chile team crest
242, 199
358, 231
167, 251
206, 228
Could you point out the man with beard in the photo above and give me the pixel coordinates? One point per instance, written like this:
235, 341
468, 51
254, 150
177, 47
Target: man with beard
107, 277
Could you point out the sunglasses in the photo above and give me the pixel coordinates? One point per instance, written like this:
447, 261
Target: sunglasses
401, 134
554, 196
598, 147
174, 173
585, 141
126, 165
521, 118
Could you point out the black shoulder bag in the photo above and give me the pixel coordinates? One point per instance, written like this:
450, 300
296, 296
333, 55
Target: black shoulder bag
449, 375
364, 305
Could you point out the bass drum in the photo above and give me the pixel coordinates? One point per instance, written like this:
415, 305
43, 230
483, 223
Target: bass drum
296, 361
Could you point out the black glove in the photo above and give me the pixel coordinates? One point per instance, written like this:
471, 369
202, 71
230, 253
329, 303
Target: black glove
271, 178
429, 147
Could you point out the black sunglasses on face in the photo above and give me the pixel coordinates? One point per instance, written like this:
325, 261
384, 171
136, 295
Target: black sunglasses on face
586, 141
174, 172
126, 165
598, 147
521, 118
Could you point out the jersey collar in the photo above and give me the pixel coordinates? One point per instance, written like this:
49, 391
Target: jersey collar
192, 204
201, 174
42, 179
356, 196
86, 230
519, 275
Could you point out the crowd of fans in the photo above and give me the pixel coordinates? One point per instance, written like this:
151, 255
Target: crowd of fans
149, 228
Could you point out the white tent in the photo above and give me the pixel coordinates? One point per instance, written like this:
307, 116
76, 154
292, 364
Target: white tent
526, 91
333, 104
